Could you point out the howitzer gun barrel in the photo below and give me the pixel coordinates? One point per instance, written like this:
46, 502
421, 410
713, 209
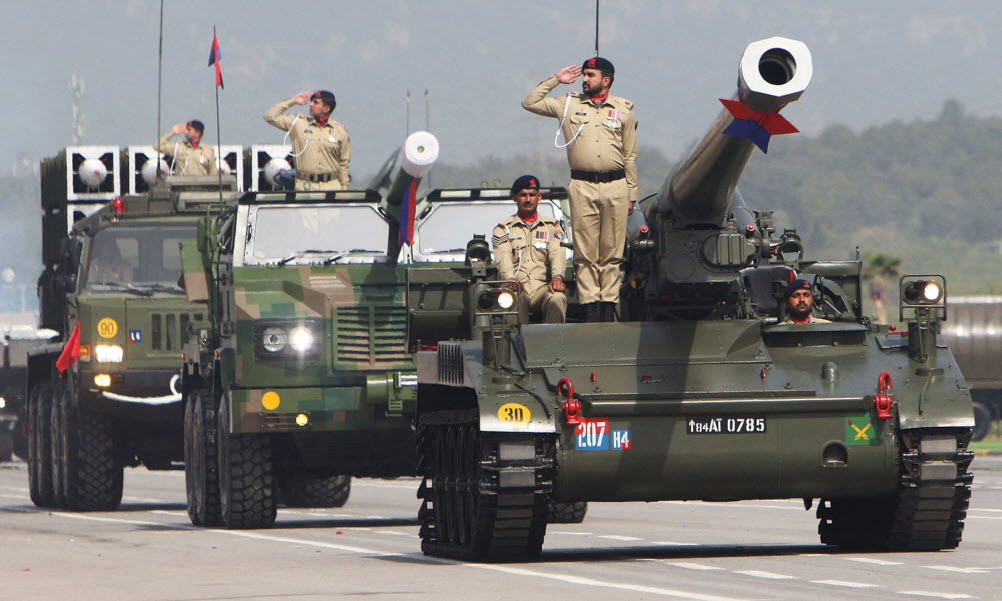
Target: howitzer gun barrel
772, 73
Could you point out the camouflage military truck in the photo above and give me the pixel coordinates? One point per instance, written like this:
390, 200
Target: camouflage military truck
106, 393
702, 392
299, 376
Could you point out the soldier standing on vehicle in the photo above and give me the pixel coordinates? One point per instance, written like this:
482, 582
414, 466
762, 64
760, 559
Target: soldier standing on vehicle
799, 303
601, 142
320, 145
190, 157
527, 249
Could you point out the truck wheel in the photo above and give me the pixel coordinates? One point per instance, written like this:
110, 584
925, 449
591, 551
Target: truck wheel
57, 448
561, 512
40, 446
201, 461
304, 489
6, 446
982, 421
89, 474
246, 476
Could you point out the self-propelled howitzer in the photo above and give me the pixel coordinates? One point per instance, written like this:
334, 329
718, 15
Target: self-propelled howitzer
704, 391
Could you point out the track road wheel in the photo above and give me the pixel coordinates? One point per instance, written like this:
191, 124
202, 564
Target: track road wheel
246, 476
304, 489
562, 512
201, 461
926, 513
478, 506
40, 446
89, 475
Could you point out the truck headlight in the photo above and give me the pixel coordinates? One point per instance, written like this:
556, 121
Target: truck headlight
287, 339
274, 339
108, 353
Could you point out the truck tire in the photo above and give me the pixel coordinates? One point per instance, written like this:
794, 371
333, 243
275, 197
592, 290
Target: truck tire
561, 512
982, 421
6, 446
40, 446
247, 490
201, 461
304, 489
89, 474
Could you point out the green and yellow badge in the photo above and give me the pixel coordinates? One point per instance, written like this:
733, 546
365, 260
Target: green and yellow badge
861, 429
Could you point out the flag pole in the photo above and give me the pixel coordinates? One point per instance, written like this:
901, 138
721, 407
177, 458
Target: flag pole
160, 62
219, 141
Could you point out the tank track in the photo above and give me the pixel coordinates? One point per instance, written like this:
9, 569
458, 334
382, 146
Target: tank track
927, 512
476, 505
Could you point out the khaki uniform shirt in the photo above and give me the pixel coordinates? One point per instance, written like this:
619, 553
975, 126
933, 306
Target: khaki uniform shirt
187, 159
608, 133
529, 252
318, 149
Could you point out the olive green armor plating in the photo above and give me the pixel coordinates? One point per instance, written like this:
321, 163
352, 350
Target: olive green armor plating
701, 392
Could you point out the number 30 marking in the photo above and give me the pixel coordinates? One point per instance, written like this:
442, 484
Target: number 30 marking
514, 413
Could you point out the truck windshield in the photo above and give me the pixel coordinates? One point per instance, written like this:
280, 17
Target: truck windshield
450, 225
315, 234
137, 257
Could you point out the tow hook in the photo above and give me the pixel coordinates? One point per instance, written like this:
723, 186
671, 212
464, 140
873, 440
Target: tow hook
881, 401
572, 407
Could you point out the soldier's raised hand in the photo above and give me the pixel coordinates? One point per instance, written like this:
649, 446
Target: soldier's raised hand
302, 98
568, 74
179, 128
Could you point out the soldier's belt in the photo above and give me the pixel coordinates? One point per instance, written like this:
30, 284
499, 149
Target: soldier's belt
598, 177
317, 178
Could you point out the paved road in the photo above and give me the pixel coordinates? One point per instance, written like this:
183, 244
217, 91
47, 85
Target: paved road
369, 549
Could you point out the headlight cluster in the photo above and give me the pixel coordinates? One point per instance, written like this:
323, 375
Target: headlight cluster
496, 299
923, 292
285, 340
108, 353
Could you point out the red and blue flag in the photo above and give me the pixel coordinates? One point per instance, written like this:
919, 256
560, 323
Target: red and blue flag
214, 59
755, 126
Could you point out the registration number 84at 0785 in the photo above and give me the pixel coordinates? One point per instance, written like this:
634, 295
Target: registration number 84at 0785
725, 425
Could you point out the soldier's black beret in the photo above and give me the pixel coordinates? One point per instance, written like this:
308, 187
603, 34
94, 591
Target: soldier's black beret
794, 286
197, 125
526, 181
325, 97
597, 62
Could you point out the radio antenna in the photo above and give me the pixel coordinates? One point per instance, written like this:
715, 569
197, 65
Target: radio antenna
596, 27
160, 62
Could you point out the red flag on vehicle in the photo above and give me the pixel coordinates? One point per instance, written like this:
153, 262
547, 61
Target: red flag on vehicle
71, 351
214, 59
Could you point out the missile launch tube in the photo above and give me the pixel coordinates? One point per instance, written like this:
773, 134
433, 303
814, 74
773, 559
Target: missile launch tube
771, 74
419, 154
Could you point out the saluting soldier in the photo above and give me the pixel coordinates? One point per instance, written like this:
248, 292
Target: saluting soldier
190, 157
320, 145
601, 142
527, 249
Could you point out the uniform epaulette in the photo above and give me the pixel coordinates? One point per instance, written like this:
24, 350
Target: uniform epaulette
628, 104
574, 94
339, 123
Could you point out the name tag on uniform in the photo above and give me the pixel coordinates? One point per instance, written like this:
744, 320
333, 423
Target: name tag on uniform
307, 131
541, 239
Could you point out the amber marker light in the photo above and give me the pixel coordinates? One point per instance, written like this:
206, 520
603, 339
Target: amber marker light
302, 419
102, 380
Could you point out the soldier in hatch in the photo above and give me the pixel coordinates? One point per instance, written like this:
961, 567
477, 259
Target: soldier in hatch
799, 302
527, 249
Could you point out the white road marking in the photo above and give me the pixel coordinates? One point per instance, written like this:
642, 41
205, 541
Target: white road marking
878, 562
618, 537
664, 592
692, 566
844, 583
961, 570
768, 575
568, 533
391, 533
936, 595
668, 542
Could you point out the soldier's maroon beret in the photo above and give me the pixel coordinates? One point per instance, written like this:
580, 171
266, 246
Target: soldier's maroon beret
523, 182
597, 62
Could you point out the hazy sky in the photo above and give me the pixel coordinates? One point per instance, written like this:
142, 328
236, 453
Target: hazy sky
873, 62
